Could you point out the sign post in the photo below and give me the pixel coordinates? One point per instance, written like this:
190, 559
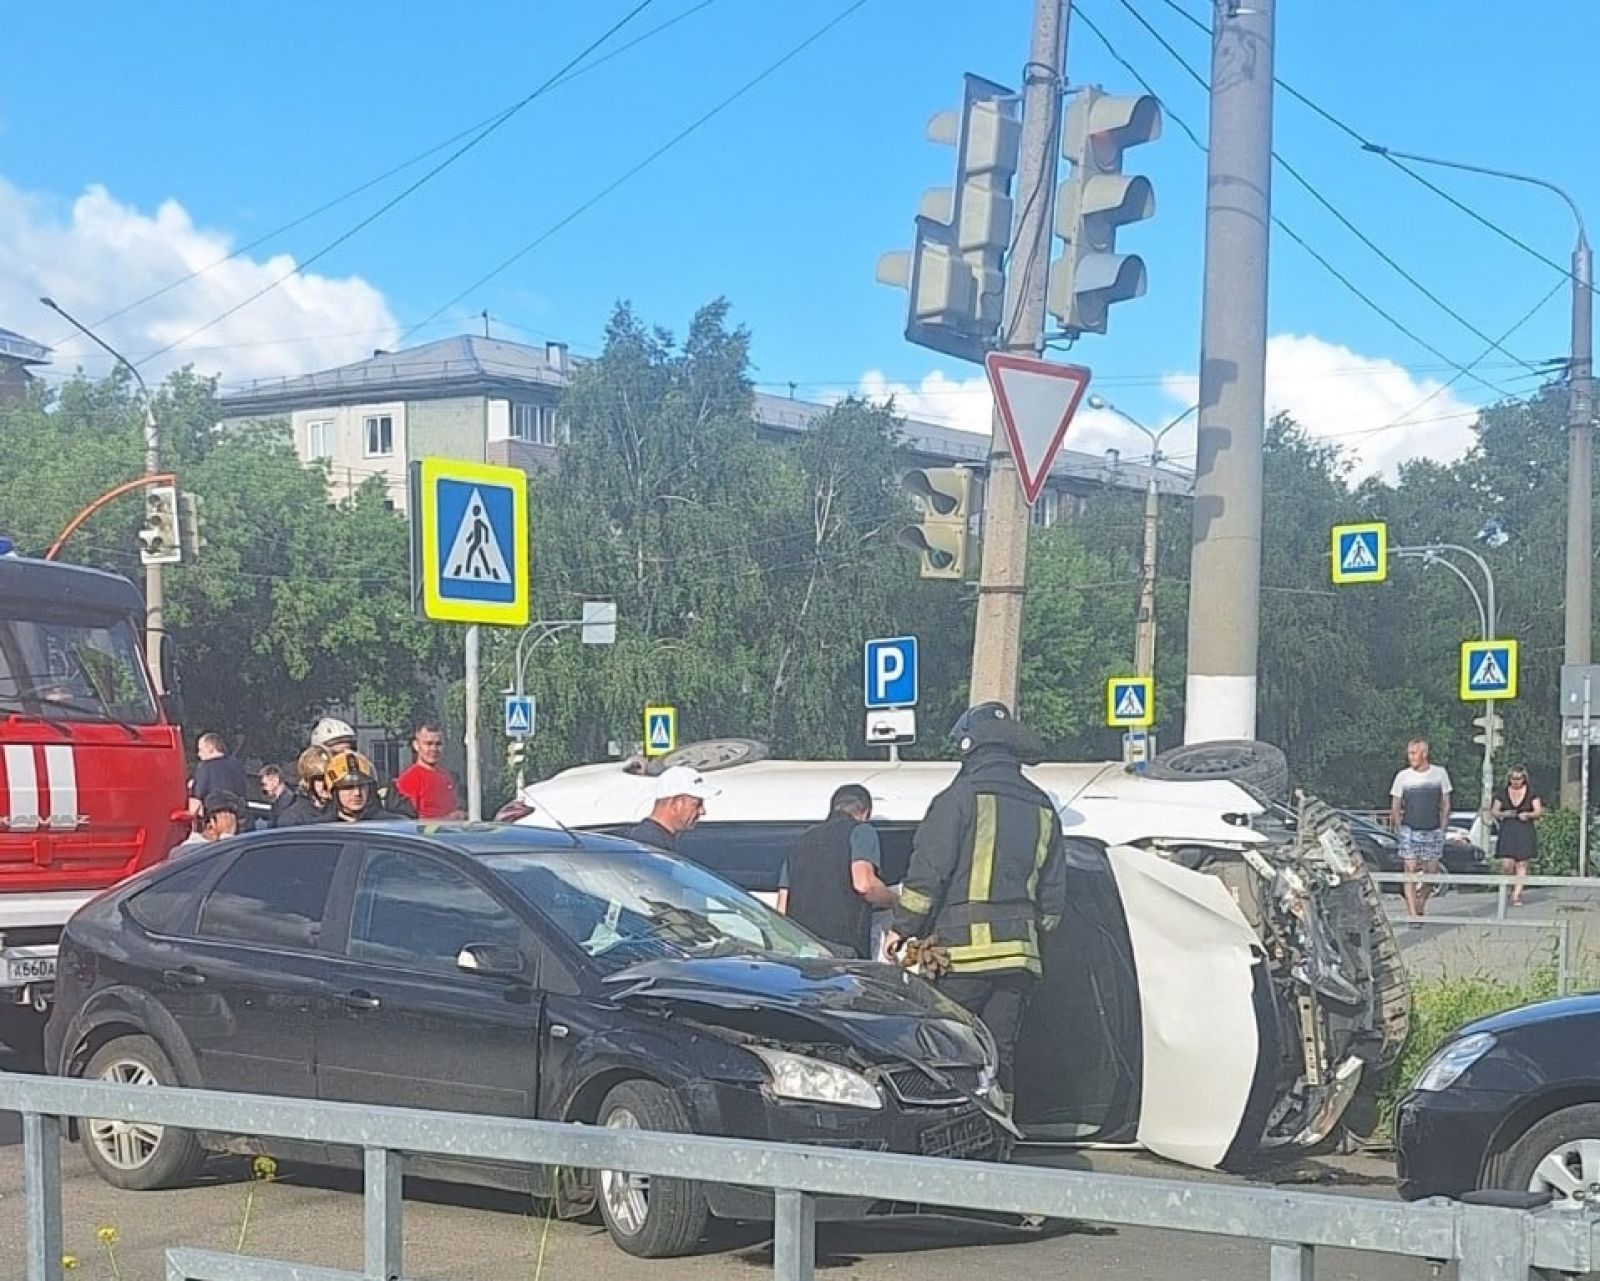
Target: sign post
890, 690
1580, 685
469, 540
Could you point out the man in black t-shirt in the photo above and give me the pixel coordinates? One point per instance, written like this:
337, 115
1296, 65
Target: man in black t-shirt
681, 796
216, 772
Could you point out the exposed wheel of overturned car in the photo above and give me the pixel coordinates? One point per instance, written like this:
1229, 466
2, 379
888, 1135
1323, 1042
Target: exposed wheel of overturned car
649, 1217
1261, 767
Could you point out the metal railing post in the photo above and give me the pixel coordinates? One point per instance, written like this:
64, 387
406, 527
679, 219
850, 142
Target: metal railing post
1563, 957
1292, 1262
382, 1197
1494, 1244
41, 1165
794, 1236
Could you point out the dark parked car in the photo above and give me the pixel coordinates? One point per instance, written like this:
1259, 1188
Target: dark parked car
1510, 1102
509, 971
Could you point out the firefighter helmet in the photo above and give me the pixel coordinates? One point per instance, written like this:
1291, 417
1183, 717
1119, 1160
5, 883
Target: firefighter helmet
350, 769
330, 729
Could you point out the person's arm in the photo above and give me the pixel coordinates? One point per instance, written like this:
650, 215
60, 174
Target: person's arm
1538, 810
1394, 805
783, 889
865, 881
783, 902
935, 850
1053, 879
1444, 805
1495, 810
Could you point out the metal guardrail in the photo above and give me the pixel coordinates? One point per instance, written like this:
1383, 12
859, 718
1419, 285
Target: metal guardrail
1490, 1243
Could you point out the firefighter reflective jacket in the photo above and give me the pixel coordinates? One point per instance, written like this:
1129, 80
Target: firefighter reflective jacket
987, 870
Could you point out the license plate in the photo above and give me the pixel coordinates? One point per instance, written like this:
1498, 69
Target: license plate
23, 969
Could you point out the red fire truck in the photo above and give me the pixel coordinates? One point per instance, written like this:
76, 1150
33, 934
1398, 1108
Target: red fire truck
92, 777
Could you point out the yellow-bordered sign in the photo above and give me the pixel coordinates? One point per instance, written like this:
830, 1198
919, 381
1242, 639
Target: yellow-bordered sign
471, 537
1360, 553
1130, 702
660, 730
1488, 670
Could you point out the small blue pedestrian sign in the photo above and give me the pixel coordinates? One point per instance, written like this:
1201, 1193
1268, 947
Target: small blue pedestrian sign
660, 730
471, 541
1360, 553
890, 672
1130, 702
519, 716
1488, 670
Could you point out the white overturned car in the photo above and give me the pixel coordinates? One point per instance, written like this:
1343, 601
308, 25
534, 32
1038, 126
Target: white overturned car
1219, 989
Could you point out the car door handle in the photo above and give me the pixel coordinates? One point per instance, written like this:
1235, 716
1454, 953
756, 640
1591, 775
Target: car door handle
359, 1000
185, 977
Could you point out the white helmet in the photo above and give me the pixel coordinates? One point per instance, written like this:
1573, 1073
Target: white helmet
330, 729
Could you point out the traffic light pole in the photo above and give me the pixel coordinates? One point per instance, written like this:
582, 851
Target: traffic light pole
1225, 564
1002, 582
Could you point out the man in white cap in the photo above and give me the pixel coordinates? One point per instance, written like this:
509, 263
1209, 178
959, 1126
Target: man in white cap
681, 796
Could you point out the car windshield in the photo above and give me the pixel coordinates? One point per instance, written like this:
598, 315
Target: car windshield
72, 669
625, 906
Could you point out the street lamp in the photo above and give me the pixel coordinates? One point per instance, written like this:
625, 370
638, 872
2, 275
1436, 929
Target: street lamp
1580, 444
152, 465
1144, 638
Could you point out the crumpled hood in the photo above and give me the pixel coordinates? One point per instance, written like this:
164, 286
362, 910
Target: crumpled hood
886, 1014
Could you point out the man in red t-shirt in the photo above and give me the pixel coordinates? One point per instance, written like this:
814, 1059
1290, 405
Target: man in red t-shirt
430, 789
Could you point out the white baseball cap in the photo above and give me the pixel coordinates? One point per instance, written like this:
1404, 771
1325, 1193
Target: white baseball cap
681, 780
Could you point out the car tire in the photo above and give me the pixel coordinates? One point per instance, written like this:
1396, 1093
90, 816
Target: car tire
1260, 767
715, 754
651, 1218
133, 1155
1517, 1168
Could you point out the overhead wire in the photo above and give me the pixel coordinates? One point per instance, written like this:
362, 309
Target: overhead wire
427, 177
684, 133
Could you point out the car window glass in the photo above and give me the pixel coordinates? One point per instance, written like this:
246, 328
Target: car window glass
273, 895
420, 913
167, 906
751, 855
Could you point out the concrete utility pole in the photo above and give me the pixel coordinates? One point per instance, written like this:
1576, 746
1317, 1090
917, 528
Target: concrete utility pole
1225, 566
997, 642
1580, 441
153, 604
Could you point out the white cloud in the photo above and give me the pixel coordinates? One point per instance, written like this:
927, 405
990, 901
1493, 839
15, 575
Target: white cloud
1377, 411
102, 254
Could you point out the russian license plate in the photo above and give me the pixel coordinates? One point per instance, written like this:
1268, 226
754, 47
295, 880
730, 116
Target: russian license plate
24, 969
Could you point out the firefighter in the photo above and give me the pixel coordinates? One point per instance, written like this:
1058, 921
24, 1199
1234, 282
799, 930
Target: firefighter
354, 785
987, 876
311, 802
334, 736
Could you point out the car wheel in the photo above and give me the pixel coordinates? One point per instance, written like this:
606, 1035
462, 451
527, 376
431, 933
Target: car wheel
716, 753
133, 1154
1260, 767
649, 1217
1559, 1155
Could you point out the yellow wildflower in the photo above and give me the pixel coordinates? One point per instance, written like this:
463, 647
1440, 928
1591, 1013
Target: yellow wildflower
108, 1235
69, 1262
265, 1169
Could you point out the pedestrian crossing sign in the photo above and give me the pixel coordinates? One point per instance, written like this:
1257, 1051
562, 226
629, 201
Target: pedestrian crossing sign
1130, 702
660, 730
1488, 670
470, 541
1360, 553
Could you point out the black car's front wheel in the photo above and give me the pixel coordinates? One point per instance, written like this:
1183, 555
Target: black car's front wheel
649, 1217
134, 1154
1559, 1155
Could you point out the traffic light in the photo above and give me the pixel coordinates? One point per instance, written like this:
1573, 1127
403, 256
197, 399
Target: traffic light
158, 536
954, 272
944, 495
1095, 200
191, 508
1489, 724
516, 754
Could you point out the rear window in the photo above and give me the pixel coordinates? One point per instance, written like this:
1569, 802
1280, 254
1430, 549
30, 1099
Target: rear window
167, 907
273, 896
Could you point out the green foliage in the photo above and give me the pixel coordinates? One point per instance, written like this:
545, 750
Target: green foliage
1558, 844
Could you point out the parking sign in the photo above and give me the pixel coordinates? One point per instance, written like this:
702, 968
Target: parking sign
890, 672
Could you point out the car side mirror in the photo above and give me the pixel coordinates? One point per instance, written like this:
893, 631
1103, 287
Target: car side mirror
491, 961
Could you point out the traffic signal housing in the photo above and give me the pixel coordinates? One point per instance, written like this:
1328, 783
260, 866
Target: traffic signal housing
1096, 199
954, 272
940, 537
158, 535
1489, 725
191, 510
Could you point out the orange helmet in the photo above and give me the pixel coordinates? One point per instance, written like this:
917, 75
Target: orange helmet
312, 765
349, 769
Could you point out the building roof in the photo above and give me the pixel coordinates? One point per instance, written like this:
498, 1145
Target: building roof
14, 346
468, 364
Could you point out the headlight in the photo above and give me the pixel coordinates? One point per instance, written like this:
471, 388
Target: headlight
1448, 1064
794, 1076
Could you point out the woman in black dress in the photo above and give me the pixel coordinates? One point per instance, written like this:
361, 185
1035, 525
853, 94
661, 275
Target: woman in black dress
1516, 809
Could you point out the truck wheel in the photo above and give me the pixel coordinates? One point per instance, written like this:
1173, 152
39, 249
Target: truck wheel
133, 1154
649, 1217
1260, 767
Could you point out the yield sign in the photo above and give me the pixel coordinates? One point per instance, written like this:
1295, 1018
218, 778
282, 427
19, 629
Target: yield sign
1036, 400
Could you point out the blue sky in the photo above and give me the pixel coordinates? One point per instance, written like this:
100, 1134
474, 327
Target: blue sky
249, 116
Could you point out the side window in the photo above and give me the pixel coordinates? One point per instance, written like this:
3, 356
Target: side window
167, 906
751, 855
419, 913
272, 895
895, 843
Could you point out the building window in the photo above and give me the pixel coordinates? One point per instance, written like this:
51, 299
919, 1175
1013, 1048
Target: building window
380, 436
319, 439
535, 424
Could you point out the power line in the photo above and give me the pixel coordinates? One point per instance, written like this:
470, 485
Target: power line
1277, 221
389, 204
650, 159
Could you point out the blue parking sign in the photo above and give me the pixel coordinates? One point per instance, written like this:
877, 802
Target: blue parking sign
890, 672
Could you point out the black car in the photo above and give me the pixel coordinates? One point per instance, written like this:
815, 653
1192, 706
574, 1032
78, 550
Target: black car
1511, 1102
510, 971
